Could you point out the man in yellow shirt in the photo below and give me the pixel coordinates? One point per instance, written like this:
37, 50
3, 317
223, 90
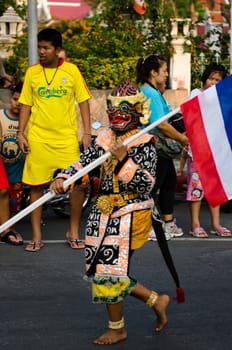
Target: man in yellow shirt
50, 90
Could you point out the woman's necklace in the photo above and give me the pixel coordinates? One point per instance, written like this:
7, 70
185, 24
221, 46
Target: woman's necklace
149, 83
53, 77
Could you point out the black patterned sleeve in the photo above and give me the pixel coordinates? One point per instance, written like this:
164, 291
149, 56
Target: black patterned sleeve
143, 178
87, 156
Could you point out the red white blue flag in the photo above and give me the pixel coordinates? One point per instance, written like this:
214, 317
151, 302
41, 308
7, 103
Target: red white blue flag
208, 122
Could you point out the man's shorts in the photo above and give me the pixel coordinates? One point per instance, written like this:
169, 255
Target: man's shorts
44, 159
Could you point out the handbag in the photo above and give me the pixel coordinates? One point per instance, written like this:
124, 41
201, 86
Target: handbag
177, 122
165, 146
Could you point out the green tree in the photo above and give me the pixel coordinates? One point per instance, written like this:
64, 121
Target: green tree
107, 45
120, 31
168, 8
20, 9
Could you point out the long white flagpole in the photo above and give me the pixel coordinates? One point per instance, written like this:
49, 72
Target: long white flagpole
81, 173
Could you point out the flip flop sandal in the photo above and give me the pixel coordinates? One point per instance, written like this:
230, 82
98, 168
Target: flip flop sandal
221, 231
34, 246
198, 232
6, 238
76, 243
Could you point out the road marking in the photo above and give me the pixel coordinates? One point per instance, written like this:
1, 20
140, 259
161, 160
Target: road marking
215, 239
182, 239
192, 239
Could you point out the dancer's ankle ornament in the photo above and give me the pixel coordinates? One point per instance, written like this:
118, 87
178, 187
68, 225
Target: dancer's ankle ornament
117, 324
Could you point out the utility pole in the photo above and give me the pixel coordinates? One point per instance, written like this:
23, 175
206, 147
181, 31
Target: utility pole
32, 31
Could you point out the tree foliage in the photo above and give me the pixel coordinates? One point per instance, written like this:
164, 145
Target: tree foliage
168, 8
107, 45
20, 9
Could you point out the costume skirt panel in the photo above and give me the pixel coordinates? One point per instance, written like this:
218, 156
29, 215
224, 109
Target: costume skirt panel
141, 227
111, 290
109, 241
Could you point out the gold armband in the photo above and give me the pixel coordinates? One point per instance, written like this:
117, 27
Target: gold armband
152, 299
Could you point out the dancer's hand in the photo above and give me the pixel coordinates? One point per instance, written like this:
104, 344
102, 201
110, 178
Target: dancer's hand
119, 150
57, 186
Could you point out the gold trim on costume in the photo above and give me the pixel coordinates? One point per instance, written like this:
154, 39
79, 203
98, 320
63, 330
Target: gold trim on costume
132, 99
106, 203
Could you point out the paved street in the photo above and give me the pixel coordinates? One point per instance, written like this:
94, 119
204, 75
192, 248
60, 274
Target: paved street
46, 305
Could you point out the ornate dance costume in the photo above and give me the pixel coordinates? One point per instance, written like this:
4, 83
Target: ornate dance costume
123, 214
121, 218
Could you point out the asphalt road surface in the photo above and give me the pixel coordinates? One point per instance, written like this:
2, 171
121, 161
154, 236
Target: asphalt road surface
46, 305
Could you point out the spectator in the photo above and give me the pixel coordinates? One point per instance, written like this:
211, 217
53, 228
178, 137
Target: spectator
13, 158
7, 235
212, 75
152, 73
48, 109
63, 54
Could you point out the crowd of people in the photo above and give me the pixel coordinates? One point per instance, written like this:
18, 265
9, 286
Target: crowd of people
39, 141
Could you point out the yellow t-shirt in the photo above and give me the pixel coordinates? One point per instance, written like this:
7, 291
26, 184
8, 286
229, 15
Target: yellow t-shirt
51, 93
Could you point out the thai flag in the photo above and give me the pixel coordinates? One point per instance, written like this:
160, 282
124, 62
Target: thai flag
208, 122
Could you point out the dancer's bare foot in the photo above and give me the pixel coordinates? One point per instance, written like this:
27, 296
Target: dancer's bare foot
160, 308
111, 336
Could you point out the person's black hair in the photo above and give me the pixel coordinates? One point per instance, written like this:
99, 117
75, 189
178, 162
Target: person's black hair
144, 67
51, 35
212, 68
17, 88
